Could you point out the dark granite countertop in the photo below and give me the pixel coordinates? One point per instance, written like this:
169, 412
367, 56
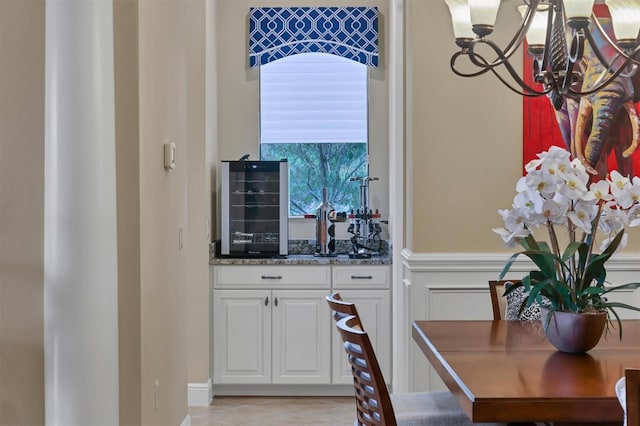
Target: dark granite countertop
301, 253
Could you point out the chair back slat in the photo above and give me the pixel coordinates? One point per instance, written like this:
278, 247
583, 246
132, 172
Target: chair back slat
342, 309
632, 378
372, 396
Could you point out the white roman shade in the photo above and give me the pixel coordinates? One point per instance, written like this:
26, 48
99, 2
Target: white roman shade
313, 98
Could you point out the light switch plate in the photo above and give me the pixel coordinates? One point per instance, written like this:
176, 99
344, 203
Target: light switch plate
170, 155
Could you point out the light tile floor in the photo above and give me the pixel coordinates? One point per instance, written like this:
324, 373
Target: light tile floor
281, 411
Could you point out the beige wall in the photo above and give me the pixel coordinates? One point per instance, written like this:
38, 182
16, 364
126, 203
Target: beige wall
125, 17
171, 60
466, 139
238, 94
21, 212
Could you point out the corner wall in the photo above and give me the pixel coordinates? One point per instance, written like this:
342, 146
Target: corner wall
125, 20
21, 212
172, 202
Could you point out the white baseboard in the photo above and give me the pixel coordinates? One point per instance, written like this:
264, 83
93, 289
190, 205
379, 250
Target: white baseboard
200, 394
186, 421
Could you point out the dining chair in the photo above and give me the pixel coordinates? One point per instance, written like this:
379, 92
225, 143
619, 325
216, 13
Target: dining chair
341, 309
498, 302
628, 392
509, 307
374, 405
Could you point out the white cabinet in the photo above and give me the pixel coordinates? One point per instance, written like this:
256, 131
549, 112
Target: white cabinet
374, 310
301, 336
270, 331
369, 288
272, 325
241, 336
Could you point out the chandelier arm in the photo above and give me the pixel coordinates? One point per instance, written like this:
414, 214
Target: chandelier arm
604, 34
452, 64
599, 83
530, 93
513, 45
519, 36
479, 61
501, 57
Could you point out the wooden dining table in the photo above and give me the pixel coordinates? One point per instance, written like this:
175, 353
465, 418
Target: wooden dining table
506, 371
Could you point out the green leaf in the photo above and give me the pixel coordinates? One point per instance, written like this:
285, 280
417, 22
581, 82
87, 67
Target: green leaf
613, 244
507, 265
571, 249
628, 286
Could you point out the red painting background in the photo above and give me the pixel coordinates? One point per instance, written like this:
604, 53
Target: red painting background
540, 129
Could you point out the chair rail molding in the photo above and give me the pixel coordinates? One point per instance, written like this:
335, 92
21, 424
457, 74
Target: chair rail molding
455, 286
494, 262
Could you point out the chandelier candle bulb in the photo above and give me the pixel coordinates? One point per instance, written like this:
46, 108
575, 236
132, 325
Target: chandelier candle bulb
483, 15
461, 19
578, 9
537, 32
625, 18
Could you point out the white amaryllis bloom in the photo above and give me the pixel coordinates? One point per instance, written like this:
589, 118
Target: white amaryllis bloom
633, 216
618, 182
634, 192
599, 191
514, 220
511, 238
579, 167
612, 219
627, 196
582, 215
528, 201
542, 182
532, 165
553, 212
574, 187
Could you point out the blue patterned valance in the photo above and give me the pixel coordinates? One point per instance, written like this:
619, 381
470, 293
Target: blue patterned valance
350, 32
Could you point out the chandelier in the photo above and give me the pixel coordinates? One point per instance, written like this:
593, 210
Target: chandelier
557, 33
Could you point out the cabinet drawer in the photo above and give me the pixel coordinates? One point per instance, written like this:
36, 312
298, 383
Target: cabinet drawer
260, 276
372, 276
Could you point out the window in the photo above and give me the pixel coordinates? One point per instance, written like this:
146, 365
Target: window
313, 111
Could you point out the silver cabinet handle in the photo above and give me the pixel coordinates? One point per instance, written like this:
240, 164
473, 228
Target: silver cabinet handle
271, 277
361, 277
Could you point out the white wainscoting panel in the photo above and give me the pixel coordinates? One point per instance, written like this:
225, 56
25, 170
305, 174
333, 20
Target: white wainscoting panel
454, 286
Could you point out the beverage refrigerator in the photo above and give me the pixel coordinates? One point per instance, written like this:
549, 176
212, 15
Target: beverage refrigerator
254, 208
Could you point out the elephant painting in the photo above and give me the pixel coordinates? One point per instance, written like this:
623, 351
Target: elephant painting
606, 121
602, 123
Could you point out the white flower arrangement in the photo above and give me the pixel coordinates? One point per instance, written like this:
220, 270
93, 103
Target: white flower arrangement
556, 192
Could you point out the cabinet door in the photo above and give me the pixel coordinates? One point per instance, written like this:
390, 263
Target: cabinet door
241, 336
374, 308
301, 337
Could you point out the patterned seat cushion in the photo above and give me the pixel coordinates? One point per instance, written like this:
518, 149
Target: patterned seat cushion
515, 300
